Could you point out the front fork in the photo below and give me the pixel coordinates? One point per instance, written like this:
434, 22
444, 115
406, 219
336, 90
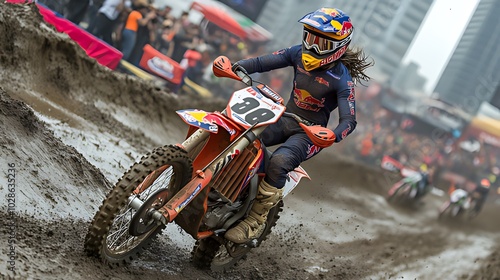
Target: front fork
179, 201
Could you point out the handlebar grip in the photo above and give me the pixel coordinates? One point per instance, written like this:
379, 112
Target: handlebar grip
242, 73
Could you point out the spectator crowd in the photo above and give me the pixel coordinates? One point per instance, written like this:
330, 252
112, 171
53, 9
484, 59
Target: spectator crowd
457, 161
129, 25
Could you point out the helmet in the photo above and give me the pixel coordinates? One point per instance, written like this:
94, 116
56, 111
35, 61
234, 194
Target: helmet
485, 183
326, 36
423, 168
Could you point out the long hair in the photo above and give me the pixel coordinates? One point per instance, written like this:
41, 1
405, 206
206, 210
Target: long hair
357, 62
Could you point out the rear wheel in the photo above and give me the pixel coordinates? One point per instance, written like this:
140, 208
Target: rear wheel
118, 233
219, 254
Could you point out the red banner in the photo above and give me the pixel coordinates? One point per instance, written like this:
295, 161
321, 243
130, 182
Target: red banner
94, 47
161, 65
390, 164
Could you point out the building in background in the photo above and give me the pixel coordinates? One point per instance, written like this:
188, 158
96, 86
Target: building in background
472, 74
408, 78
384, 28
249, 8
495, 101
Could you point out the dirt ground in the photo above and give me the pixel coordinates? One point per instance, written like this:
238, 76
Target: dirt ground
70, 128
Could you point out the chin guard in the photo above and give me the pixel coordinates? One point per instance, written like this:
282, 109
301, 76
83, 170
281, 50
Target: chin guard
320, 136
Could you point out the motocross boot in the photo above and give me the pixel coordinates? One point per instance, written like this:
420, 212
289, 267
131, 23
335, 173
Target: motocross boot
253, 226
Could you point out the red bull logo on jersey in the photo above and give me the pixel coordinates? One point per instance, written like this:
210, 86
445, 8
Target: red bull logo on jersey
306, 101
322, 81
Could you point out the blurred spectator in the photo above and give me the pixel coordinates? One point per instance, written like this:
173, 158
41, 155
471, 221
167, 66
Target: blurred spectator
162, 42
183, 41
195, 62
92, 11
182, 23
139, 16
366, 147
76, 10
145, 35
106, 19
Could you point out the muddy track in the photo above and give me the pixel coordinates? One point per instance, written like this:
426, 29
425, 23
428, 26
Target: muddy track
71, 128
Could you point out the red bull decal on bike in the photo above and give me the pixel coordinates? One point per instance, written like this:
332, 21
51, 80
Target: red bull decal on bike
198, 118
213, 118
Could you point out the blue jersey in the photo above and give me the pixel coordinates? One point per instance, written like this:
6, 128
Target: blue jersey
315, 93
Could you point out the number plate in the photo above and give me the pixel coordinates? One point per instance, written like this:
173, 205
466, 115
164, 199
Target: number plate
248, 107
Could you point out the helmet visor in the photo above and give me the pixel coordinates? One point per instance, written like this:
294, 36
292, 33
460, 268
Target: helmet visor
319, 44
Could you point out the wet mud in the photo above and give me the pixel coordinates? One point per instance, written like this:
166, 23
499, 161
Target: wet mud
70, 127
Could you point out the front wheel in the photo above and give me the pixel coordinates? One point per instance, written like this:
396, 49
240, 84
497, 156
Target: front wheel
219, 254
400, 195
118, 233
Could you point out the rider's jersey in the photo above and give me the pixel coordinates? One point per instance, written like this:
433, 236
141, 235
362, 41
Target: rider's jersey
316, 93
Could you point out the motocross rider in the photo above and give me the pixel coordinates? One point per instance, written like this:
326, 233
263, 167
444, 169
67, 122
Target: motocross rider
480, 193
325, 72
424, 185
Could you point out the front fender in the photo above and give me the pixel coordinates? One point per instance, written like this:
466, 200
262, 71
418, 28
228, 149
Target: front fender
208, 121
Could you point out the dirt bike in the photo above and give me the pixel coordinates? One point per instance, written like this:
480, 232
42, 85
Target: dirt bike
206, 184
406, 191
460, 206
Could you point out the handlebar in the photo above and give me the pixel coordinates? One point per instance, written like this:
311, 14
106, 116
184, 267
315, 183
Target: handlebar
245, 77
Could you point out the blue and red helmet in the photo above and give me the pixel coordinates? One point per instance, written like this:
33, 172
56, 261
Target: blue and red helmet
326, 36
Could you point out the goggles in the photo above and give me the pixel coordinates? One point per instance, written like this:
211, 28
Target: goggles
320, 44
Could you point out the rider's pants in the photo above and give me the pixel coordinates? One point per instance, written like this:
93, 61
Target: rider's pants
296, 148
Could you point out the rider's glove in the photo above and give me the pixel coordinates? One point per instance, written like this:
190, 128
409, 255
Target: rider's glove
236, 67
